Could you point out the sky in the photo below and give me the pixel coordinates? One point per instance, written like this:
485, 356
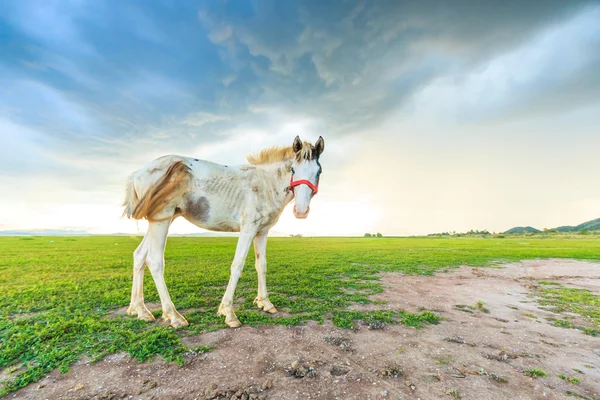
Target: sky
437, 116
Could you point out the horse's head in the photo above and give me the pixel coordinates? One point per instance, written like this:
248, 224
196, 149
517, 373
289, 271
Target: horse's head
306, 171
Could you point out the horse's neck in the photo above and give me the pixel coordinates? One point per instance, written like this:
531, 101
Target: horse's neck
276, 178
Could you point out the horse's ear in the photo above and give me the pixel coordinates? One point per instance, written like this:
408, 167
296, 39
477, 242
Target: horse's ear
320, 146
297, 146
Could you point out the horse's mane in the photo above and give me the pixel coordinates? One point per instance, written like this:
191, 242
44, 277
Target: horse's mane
280, 153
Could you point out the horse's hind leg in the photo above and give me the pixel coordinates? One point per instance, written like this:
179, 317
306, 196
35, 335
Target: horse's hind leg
137, 306
157, 239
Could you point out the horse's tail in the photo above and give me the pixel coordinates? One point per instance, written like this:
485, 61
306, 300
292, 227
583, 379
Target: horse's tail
131, 198
158, 195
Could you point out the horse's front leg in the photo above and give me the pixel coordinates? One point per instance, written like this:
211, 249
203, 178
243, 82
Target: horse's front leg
260, 251
241, 251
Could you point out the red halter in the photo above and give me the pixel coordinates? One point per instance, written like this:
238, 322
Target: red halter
293, 183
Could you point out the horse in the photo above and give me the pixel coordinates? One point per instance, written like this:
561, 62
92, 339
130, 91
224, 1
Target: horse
248, 199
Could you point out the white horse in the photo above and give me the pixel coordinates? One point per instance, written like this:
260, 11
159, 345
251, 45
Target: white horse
248, 199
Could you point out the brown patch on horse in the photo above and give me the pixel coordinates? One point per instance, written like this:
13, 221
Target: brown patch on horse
161, 194
198, 209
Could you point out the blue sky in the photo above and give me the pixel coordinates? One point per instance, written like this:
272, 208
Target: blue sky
436, 115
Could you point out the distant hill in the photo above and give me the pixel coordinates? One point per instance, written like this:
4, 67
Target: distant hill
519, 230
593, 225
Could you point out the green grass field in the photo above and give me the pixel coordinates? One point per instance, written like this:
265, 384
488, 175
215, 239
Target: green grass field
59, 294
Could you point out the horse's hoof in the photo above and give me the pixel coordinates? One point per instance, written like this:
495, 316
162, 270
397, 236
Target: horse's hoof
233, 324
178, 323
143, 315
146, 317
264, 303
176, 320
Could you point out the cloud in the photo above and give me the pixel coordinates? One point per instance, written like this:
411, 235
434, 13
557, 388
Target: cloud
555, 70
90, 92
363, 63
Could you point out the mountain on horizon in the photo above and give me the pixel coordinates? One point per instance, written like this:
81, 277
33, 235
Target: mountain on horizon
593, 225
519, 230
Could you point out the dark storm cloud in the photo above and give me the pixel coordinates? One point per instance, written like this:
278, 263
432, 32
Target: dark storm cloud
109, 82
353, 63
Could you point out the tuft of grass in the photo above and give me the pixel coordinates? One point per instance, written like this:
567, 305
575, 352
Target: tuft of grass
592, 332
204, 349
346, 319
59, 295
572, 380
529, 315
493, 375
454, 393
562, 323
480, 305
444, 360
535, 372
577, 395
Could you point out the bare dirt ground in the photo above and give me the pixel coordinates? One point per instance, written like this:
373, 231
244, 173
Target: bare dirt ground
466, 355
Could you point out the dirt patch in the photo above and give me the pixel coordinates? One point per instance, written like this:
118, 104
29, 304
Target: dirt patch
480, 350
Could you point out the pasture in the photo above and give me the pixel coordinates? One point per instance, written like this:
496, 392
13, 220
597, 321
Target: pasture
63, 299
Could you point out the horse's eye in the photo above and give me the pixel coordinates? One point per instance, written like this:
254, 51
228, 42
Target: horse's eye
293, 172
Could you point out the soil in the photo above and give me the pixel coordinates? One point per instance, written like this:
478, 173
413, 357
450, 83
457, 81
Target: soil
471, 354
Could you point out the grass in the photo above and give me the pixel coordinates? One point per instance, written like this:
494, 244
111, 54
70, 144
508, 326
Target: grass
562, 323
454, 393
592, 332
535, 372
59, 294
480, 305
347, 319
444, 360
493, 375
560, 299
577, 395
572, 380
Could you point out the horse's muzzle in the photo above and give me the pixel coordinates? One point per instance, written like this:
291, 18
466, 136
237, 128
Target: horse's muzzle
300, 215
